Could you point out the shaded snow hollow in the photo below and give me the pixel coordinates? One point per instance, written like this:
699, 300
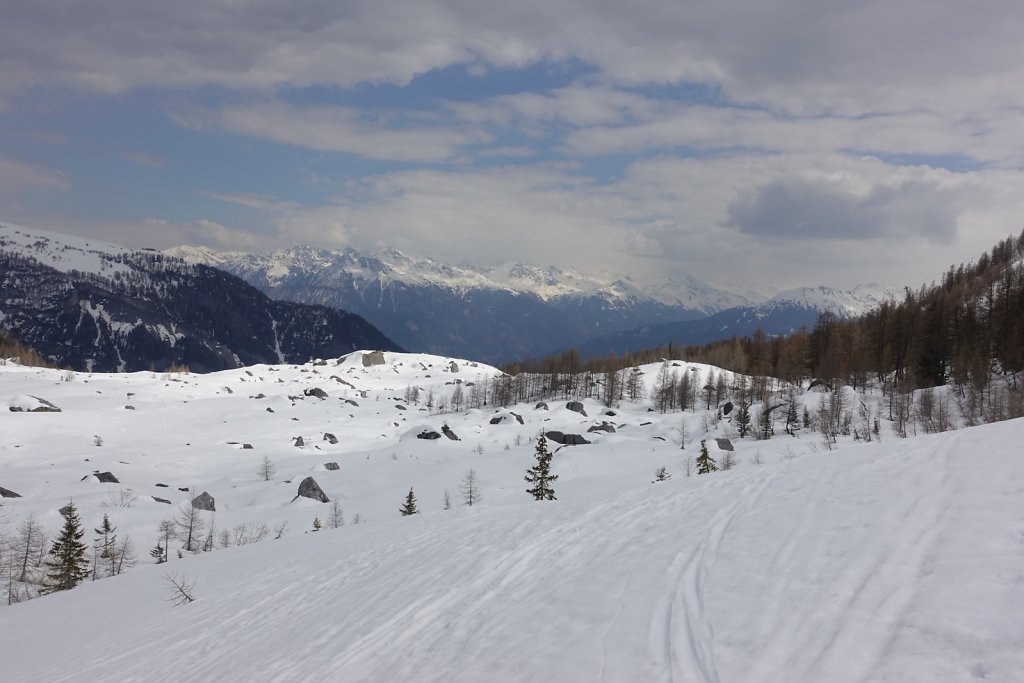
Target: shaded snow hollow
891, 561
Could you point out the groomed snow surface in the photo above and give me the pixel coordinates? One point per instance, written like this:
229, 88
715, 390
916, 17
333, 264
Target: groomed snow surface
894, 561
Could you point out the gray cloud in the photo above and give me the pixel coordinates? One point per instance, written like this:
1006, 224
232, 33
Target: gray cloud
793, 54
804, 209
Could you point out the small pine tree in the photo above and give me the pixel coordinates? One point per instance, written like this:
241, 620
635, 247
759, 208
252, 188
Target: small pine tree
540, 474
316, 523
662, 474
409, 507
705, 463
105, 548
743, 419
157, 553
69, 566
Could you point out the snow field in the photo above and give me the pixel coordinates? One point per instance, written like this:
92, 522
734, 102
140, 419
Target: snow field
891, 561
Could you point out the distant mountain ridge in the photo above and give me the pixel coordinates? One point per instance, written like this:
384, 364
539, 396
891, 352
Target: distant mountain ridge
494, 314
94, 306
784, 313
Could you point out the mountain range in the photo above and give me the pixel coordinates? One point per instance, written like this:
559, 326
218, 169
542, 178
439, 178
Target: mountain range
515, 311
88, 305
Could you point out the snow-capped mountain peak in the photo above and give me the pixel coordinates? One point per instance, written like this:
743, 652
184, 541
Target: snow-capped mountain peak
842, 302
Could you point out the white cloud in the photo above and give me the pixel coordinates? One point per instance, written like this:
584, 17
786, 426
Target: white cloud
348, 130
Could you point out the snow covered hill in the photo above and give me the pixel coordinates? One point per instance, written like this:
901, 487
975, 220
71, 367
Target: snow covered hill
89, 305
895, 560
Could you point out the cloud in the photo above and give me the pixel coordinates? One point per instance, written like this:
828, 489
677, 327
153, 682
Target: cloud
141, 159
803, 209
345, 129
254, 201
17, 177
791, 55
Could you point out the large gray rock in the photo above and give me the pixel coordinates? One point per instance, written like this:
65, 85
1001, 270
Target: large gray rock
308, 488
429, 435
541, 406
724, 445
576, 407
299, 443
727, 408
330, 438
316, 391
447, 431
566, 439
332, 466
7, 493
103, 477
453, 367
204, 501
373, 358
603, 427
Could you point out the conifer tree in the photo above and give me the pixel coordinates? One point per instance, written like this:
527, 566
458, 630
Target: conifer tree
69, 566
705, 463
157, 553
743, 419
409, 507
316, 523
105, 548
540, 474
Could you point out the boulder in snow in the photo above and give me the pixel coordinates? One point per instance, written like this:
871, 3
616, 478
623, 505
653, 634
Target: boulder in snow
204, 501
308, 488
447, 431
724, 445
330, 438
32, 404
566, 439
576, 407
7, 493
373, 358
332, 466
299, 443
316, 391
428, 434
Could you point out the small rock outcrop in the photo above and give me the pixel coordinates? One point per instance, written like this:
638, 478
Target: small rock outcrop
428, 434
204, 501
7, 493
308, 488
541, 406
332, 466
724, 445
727, 408
576, 407
447, 431
32, 404
566, 439
373, 358
453, 367
104, 477
603, 427
316, 391
299, 443
161, 500
330, 438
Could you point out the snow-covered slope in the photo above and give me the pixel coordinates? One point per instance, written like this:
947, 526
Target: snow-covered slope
896, 560
90, 305
844, 303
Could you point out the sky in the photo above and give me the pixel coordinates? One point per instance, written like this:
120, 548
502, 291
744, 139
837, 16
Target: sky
750, 143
